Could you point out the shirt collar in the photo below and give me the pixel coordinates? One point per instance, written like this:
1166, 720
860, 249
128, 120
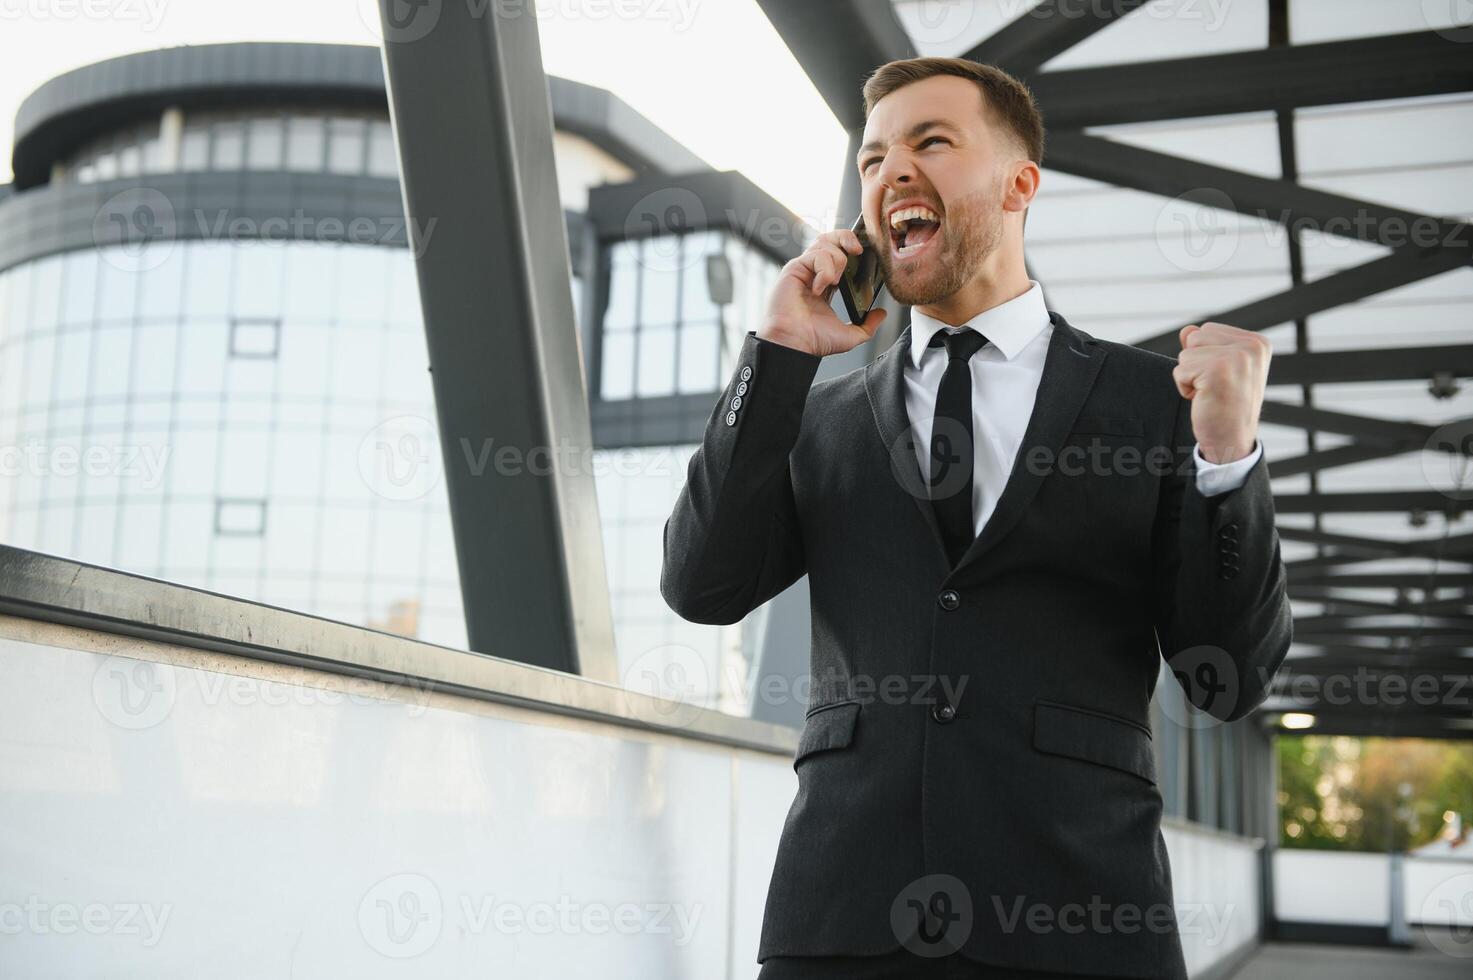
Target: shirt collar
1010, 326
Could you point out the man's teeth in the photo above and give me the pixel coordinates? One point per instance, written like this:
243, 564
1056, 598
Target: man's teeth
898, 218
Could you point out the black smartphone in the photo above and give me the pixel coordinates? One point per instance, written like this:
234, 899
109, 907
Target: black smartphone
861, 282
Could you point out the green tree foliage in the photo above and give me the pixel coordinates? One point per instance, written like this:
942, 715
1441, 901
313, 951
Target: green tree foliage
1371, 794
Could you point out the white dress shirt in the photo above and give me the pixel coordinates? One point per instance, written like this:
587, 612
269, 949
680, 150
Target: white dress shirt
1005, 376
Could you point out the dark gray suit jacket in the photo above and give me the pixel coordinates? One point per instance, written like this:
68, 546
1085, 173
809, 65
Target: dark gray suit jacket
982, 731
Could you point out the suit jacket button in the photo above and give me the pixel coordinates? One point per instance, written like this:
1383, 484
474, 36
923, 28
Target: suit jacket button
741, 387
949, 599
943, 713
746, 372
731, 418
736, 401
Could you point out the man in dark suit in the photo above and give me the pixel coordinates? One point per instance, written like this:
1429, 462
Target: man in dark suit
1005, 523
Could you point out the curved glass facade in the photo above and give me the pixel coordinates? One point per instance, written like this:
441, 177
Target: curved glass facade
256, 418
293, 140
212, 414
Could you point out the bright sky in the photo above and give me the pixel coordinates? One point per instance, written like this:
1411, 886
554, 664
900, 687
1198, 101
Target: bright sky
711, 73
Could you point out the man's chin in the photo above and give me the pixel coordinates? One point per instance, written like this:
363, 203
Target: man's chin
913, 290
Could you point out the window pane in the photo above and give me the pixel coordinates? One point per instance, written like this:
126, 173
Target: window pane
114, 348
657, 296
194, 147
345, 145
153, 372
153, 154
78, 292
381, 161
618, 366
695, 292
265, 144
656, 361
207, 278
162, 286
130, 161
623, 283
304, 146
229, 145
46, 293
699, 356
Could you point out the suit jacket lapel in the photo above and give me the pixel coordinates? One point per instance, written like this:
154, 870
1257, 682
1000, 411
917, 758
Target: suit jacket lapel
1069, 371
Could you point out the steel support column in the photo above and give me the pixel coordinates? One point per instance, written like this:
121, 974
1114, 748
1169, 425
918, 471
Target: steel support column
473, 122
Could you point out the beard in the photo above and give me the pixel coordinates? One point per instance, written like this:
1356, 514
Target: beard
970, 231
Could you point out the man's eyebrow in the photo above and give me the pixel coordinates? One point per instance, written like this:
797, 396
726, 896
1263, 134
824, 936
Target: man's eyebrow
915, 131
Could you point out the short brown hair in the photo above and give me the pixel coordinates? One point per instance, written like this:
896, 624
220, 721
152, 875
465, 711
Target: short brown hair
1010, 101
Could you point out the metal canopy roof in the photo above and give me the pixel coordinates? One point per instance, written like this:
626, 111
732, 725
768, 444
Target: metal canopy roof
1301, 168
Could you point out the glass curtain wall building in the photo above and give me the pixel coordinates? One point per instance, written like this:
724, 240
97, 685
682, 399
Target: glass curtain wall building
213, 366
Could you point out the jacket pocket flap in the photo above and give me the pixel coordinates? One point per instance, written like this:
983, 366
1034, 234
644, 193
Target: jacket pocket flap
1093, 736
829, 726
1104, 425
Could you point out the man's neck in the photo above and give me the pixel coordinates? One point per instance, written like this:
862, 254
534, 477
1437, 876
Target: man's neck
977, 296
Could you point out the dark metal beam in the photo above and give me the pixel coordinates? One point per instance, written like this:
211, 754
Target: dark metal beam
1430, 548
1370, 502
1389, 364
1401, 660
1456, 550
1388, 580
1046, 31
1325, 459
839, 43
469, 104
1400, 268
1281, 201
1395, 66
1363, 427
1361, 622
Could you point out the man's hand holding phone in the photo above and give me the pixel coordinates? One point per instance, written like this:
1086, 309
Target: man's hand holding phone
798, 311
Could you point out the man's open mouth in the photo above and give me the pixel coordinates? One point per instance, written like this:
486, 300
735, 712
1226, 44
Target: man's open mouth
912, 228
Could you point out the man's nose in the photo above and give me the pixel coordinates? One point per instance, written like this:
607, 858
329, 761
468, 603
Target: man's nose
896, 170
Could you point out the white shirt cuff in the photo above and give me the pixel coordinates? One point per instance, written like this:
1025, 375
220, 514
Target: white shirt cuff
1216, 478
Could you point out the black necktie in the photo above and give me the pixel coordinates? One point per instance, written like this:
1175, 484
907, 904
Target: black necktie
952, 451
